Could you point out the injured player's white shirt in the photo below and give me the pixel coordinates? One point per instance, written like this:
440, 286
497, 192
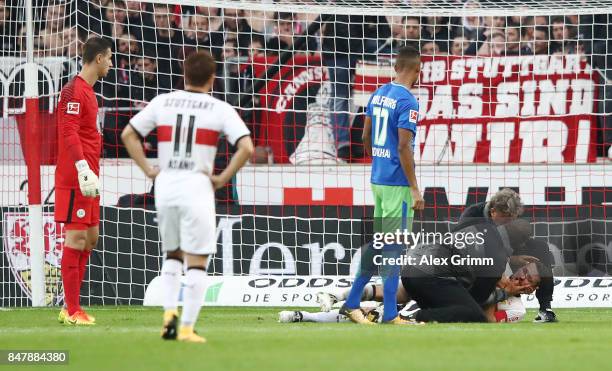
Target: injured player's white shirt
513, 308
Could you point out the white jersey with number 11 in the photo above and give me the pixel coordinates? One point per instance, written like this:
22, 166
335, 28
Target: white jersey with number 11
188, 127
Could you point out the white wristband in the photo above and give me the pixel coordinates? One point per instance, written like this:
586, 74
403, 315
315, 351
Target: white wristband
81, 165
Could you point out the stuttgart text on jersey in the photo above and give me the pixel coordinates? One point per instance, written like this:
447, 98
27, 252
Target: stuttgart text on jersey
189, 104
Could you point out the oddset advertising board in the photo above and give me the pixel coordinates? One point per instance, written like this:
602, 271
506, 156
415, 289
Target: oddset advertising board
301, 291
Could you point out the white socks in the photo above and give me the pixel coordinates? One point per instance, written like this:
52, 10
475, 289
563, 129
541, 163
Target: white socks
193, 296
171, 272
321, 317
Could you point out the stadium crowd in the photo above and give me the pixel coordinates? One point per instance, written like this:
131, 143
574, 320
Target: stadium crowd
152, 40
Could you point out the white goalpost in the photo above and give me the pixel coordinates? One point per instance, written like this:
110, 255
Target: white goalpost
37, 257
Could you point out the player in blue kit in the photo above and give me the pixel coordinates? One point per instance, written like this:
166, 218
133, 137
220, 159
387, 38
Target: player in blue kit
388, 136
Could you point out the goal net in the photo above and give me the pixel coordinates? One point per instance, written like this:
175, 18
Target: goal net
512, 94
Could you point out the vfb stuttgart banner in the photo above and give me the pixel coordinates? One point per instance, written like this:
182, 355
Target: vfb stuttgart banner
528, 109
285, 99
16, 229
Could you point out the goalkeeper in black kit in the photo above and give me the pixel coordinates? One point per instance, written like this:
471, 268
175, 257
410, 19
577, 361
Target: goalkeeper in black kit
504, 207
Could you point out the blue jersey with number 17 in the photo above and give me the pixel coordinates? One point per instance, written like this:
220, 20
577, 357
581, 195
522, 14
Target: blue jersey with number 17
391, 107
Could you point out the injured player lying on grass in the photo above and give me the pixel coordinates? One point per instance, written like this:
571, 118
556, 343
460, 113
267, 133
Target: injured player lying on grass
510, 310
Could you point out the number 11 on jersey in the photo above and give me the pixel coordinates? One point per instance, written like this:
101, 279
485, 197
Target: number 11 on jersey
182, 144
178, 136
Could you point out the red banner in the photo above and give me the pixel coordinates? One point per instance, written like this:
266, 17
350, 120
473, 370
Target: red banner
300, 77
535, 109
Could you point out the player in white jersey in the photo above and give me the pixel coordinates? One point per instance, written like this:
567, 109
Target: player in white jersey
511, 310
188, 125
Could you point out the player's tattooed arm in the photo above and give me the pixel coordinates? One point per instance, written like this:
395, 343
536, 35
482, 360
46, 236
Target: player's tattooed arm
366, 136
406, 157
132, 142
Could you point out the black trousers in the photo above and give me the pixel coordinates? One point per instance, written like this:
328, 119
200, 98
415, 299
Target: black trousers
443, 300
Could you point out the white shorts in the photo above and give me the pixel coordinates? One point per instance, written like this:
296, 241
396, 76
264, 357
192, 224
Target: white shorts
186, 219
189, 228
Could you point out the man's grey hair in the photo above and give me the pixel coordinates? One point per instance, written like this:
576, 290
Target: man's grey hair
507, 202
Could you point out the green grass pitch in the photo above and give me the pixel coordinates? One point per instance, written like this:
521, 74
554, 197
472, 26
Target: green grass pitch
127, 338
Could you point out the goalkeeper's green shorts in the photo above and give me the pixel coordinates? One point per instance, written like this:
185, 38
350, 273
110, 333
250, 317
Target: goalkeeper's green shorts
392, 208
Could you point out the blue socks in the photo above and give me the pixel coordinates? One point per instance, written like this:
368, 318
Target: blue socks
390, 276
354, 298
390, 285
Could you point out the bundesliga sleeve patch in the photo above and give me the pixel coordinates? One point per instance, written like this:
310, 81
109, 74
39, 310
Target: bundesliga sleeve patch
414, 115
73, 108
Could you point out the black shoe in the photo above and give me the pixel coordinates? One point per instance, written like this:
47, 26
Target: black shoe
409, 312
545, 316
169, 331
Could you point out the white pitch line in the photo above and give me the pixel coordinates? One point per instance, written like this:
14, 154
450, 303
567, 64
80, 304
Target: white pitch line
81, 330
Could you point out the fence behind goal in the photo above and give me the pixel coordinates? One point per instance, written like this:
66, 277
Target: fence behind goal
512, 94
